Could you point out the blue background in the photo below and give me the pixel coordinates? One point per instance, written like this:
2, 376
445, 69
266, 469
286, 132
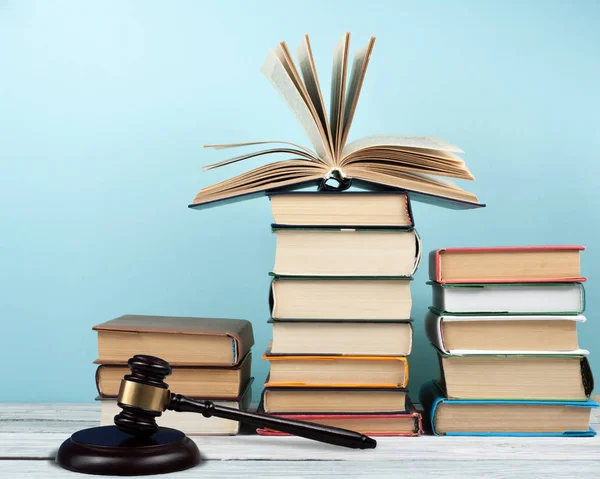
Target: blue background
105, 106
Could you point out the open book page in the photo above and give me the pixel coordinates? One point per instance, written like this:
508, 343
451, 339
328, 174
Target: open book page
338, 92
223, 146
400, 141
311, 81
266, 177
412, 182
392, 168
287, 61
439, 154
280, 79
393, 159
416, 154
272, 151
357, 77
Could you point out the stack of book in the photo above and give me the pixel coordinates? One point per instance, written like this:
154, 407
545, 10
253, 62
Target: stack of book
340, 309
504, 324
211, 359
341, 292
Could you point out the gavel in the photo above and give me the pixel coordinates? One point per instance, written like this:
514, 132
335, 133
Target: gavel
144, 396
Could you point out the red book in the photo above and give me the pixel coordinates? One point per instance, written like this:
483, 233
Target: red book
514, 264
384, 424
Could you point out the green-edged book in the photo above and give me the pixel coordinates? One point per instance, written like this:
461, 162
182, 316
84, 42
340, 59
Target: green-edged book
558, 377
346, 252
365, 299
509, 298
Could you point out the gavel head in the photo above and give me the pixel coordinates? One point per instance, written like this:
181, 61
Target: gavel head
143, 395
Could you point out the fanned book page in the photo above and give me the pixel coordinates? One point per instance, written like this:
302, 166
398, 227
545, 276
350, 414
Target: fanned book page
420, 165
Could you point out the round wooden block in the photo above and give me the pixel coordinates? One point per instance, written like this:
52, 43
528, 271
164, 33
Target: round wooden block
108, 451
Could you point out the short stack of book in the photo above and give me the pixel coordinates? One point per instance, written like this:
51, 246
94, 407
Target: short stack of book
211, 359
340, 309
504, 324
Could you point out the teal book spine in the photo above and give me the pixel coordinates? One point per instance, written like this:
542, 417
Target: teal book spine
431, 396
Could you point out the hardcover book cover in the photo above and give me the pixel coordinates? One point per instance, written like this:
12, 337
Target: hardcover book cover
508, 298
426, 198
346, 253
479, 364
432, 395
505, 268
407, 423
435, 333
396, 396
210, 381
238, 330
190, 424
355, 195
332, 360
343, 299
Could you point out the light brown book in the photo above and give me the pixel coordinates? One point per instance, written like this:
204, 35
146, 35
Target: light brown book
182, 341
340, 299
346, 252
388, 424
513, 418
328, 400
336, 371
509, 264
453, 334
190, 424
205, 382
342, 337
405, 162
504, 417
352, 208
560, 378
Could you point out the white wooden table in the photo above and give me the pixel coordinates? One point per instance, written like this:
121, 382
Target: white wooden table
31, 433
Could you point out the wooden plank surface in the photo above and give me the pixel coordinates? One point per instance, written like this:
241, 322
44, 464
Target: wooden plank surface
406, 469
35, 431
44, 446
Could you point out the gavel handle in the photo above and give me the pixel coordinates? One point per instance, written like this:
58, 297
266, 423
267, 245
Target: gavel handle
317, 432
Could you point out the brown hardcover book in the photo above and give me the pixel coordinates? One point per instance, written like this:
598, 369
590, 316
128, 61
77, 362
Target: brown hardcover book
516, 377
336, 371
182, 341
453, 334
344, 299
190, 424
356, 208
290, 400
502, 417
508, 264
345, 252
405, 423
369, 338
204, 382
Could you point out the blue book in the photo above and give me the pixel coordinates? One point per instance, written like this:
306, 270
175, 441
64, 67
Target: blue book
468, 417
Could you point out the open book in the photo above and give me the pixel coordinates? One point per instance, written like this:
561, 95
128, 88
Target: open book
403, 162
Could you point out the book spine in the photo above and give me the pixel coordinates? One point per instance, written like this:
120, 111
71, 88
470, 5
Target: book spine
433, 266
408, 206
97, 379
586, 376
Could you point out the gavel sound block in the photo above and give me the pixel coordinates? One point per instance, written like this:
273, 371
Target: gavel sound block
136, 445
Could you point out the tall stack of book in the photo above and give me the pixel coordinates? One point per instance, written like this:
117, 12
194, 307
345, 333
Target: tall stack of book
340, 307
341, 294
504, 324
211, 359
